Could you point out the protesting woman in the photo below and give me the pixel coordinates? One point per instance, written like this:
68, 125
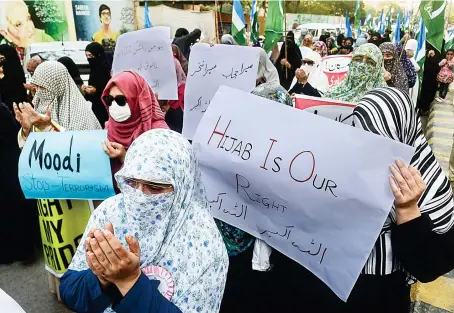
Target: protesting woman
365, 73
180, 57
394, 73
310, 79
133, 110
12, 77
174, 108
99, 77
288, 62
408, 67
267, 72
320, 48
429, 83
176, 261
410, 48
72, 70
445, 74
331, 46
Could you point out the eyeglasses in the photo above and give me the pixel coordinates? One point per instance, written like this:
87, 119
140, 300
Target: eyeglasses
105, 14
364, 59
310, 63
120, 100
149, 188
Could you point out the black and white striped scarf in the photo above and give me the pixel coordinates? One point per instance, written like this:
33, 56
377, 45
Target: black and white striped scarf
390, 113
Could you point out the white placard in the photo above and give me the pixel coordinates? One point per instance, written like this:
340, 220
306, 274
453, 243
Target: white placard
211, 67
149, 53
312, 188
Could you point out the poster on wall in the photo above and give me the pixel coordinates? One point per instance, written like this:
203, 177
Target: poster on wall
25, 22
103, 21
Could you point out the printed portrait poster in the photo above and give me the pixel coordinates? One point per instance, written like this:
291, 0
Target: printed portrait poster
103, 21
25, 22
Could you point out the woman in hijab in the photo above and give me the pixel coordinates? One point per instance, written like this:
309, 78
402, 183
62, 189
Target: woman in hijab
267, 72
33, 63
429, 83
320, 47
17, 212
347, 46
174, 108
228, 39
410, 48
376, 39
310, 79
180, 57
257, 279
133, 110
360, 41
365, 73
408, 67
12, 77
394, 73
99, 77
288, 62
176, 261
331, 46
72, 70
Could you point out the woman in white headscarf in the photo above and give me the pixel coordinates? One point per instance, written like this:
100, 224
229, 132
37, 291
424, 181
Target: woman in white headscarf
309, 79
410, 48
176, 261
267, 72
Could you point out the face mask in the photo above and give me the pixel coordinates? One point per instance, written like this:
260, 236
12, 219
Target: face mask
359, 71
388, 63
119, 113
307, 68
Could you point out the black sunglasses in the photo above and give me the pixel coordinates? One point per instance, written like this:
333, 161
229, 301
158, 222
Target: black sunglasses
308, 62
120, 100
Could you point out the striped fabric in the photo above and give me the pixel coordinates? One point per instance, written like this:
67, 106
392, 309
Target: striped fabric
389, 112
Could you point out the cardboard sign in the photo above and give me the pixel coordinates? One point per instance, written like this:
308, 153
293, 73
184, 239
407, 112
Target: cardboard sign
65, 165
336, 68
312, 188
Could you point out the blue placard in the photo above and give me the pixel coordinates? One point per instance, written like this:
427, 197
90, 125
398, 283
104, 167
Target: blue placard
65, 165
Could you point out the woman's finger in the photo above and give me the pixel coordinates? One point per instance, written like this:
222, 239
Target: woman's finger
116, 245
104, 245
407, 175
401, 183
95, 263
104, 147
116, 145
395, 189
99, 253
418, 178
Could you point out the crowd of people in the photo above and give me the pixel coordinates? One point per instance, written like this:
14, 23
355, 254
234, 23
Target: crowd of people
159, 220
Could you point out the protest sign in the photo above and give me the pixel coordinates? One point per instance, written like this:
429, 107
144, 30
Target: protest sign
312, 188
149, 53
336, 110
336, 68
211, 67
65, 165
62, 224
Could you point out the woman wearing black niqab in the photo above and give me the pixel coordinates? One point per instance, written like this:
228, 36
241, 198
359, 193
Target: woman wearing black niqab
72, 70
12, 77
429, 81
292, 62
99, 77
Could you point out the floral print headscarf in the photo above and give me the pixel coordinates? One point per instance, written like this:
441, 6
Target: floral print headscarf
320, 47
175, 230
361, 77
398, 79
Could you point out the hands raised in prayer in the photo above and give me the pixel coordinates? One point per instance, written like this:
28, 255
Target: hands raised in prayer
28, 117
110, 261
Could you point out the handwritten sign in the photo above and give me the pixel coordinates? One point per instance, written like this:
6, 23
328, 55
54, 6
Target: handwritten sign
211, 67
336, 67
149, 53
312, 188
65, 165
336, 110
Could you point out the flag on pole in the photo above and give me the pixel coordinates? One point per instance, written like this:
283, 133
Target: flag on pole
348, 27
147, 17
389, 18
368, 21
238, 23
433, 15
357, 15
397, 30
449, 40
254, 22
381, 27
407, 21
274, 26
420, 56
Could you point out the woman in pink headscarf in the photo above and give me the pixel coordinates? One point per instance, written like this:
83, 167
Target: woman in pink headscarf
174, 108
320, 47
133, 110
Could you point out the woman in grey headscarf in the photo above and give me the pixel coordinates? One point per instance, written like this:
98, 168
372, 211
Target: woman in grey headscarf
228, 40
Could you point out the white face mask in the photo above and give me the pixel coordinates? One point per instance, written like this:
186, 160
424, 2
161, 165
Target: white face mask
307, 68
119, 113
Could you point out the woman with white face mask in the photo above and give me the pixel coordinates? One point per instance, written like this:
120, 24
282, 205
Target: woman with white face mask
133, 109
309, 79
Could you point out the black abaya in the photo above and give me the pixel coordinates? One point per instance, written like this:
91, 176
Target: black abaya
12, 88
294, 58
429, 82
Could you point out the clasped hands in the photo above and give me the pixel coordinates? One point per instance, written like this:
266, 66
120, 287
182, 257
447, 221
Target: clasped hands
28, 117
110, 261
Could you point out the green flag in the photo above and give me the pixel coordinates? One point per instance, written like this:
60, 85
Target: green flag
357, 16
450, 40
254, 15
433, 15
274, 26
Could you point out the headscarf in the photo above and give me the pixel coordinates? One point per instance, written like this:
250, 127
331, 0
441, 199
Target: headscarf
293, 57
388, 112
360, 41
67, 105
12, 84
146, 113
412, 44
228, 40
273, 92
398, 77
408, 67
72, 69
180, 57
99, 68
317, 78
376, 42
175, 230
181, 84
267, 69
33, 63
320, 47
361, 77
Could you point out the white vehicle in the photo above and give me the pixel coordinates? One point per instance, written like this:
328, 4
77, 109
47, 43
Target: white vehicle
318, 29
52, 51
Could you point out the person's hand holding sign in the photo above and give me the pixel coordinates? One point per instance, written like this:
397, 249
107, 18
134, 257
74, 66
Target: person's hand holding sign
113, 262
114, 150
407, 186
